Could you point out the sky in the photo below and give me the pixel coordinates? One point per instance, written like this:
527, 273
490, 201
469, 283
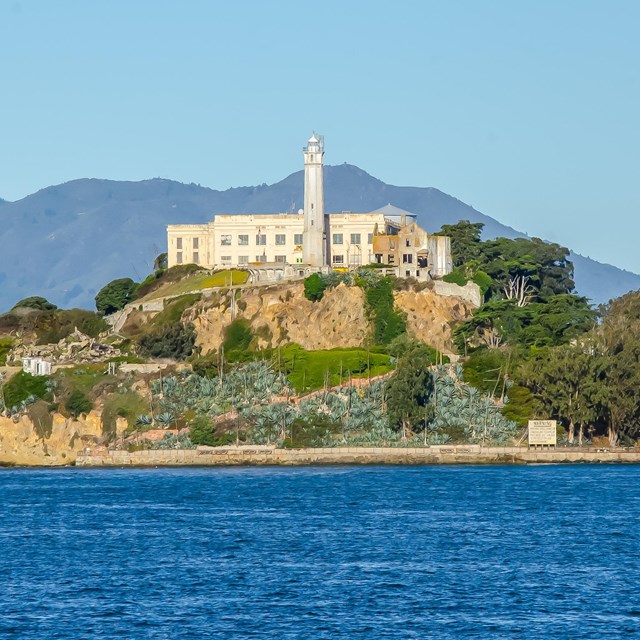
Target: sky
526, 110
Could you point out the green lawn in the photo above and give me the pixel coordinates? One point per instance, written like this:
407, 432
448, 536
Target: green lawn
199, 281
308, 370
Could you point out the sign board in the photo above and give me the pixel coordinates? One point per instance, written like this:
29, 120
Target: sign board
542, 432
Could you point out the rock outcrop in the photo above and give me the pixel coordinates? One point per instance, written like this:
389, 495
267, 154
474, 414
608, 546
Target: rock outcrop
22, 443
280, 314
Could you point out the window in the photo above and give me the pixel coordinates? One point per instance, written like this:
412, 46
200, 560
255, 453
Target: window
338, 259
196, 244
370, 238
196, 257
299, 261
243, 259
355, 238
281, 258
281, 239
297, 238
337, 238
178, 244
225, 240
407, 273
408, 242
407, 258
179, 257
262, 258
379, 258
225, 259
355, 259
391, 259
243, 240
261, 239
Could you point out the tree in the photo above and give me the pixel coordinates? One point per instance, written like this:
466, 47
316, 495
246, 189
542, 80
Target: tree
410, 389
465, 240
161, 262
115, 295
35, 302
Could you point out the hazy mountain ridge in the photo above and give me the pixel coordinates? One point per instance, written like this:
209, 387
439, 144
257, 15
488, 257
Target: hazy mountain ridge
66, 241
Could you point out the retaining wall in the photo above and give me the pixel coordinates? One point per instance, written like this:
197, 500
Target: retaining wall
247, 455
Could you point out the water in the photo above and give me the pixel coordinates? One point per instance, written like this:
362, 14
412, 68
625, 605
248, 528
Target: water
338, 552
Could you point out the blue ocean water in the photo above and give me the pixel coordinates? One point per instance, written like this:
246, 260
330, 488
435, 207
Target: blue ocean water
333, 552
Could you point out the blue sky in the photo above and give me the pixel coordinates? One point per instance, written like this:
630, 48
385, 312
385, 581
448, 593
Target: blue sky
526, 110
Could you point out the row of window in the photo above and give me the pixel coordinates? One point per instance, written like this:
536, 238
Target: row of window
226, 240
356, 238
195, 260
195, 244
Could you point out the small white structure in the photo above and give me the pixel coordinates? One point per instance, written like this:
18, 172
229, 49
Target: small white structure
36, 366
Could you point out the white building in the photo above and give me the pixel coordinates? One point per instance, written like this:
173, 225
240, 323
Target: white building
312, 240
36, 366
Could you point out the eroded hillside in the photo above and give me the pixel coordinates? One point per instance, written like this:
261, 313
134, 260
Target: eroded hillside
280, 314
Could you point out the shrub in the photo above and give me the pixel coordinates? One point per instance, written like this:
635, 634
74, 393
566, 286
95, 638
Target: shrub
115, 295
39, 414
456, 277
78, 403
23, 385
314, 287
173, 311
311, 431
172, 341
203, 431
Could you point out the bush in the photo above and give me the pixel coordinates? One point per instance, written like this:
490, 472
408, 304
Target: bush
23, 385
311, 431
203, 431
78, 403
314, 287
456, 277
115, 295
174, 341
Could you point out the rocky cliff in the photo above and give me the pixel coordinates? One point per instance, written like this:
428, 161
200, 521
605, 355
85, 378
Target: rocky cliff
280, 314
22, 443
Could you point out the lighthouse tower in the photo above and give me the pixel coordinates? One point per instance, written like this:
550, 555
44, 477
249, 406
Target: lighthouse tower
313, 243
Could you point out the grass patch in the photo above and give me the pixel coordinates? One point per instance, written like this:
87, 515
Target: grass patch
172, 313
198, 282
309, 370
83, 379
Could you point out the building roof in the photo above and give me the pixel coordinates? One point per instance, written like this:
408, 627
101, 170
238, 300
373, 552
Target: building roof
314, 138
391, 211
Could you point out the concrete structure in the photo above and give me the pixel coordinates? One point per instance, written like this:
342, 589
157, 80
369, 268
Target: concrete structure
262, 455
36, 366
311, 240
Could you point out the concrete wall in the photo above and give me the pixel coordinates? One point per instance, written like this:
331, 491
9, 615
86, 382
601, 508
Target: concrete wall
260, 455
470, 292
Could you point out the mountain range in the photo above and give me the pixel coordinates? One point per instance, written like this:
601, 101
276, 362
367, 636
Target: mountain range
65, 242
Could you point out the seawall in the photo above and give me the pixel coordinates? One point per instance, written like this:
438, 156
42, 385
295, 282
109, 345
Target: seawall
264, 455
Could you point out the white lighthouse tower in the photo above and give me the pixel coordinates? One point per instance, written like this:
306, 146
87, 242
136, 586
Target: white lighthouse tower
313, 241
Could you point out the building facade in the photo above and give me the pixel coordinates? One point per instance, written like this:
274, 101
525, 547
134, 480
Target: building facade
312, 240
